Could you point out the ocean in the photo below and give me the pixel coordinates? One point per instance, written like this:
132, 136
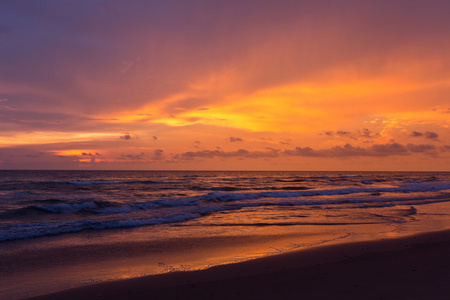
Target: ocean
96, 223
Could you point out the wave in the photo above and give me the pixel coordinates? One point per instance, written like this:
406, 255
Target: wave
174, 210
55, 206
69, 207
407, 188
30, 230
291, 180
22, 231
298, 196
109, 182
20, 212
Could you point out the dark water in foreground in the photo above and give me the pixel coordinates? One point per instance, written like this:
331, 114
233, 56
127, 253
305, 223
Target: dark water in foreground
76, 226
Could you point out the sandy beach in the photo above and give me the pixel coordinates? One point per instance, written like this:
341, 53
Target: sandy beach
413, 267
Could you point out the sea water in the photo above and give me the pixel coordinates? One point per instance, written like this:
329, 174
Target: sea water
118, 224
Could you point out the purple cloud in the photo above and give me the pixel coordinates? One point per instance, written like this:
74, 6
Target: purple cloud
431, 135
428, 134
235, 139
126, 137
420, 148
416, 134
243, 153
378, 150
158, 154
138, 157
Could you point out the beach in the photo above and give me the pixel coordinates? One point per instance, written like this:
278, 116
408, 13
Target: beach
413, 267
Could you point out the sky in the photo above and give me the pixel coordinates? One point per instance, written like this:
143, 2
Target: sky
225, 85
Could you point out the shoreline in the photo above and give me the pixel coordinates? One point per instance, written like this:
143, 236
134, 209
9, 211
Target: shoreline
416, 266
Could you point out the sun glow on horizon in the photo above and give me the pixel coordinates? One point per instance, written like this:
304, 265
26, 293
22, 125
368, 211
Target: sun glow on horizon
299, 107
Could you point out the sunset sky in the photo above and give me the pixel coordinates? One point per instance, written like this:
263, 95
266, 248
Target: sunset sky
225, 85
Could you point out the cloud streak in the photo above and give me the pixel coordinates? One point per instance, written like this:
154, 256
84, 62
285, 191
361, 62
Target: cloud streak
346, 151
241, 153
378, 150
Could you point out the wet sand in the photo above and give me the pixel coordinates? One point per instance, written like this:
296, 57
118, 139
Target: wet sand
413, 267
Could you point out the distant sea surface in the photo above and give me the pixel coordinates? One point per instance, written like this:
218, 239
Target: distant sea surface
44, 203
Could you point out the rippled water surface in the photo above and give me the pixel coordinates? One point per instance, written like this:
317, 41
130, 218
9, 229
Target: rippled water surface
39, 203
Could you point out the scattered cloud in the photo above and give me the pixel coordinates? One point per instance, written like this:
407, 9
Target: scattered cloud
126, 137
377, 150
241, 153
416, 134
421, 148
428, 134
343, 133
235, 139
136, 157
158, 154
365, 133
431, 135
